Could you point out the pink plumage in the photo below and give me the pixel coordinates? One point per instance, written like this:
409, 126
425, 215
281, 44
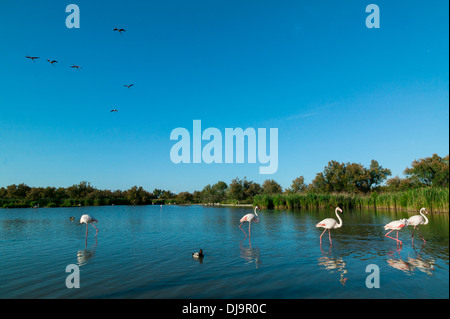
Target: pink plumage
396, 225
249, 218
330, 223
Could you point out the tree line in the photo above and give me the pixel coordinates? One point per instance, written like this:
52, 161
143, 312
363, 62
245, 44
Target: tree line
349, 178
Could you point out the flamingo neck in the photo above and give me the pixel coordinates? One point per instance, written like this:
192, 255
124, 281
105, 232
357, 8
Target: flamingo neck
339, 218
257, 217
425, 217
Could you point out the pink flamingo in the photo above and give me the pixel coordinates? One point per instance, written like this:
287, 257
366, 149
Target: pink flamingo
249, 218
396, 225
88, 220
329, 223
417, 220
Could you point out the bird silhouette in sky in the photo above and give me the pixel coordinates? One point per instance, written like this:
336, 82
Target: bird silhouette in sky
128, 86
120, 30
52, 62
32, 57
76, 67
114, 110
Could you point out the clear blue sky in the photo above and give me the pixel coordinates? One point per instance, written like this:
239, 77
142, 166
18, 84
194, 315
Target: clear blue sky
335, 89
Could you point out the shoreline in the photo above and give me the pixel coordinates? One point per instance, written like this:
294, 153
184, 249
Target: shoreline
387, 209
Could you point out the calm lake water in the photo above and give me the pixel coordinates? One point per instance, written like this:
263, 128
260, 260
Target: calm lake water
145, 252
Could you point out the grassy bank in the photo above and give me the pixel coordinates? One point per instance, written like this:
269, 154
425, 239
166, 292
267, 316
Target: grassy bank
434, 199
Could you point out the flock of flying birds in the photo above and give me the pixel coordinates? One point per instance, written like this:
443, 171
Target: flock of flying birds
74, 66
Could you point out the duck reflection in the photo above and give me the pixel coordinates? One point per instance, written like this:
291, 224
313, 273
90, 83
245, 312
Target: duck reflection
83, 256
249, 254
334, 264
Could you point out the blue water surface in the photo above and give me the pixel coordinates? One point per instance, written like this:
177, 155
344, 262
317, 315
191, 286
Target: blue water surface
145, 252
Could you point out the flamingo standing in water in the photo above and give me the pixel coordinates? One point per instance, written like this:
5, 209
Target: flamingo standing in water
249, 218
89, 220
417, 220
329, 223
396, 225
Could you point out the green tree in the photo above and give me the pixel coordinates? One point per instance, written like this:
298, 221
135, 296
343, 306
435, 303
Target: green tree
138, 196
332, 179
184, 197
80, 191
236, 189
215, 193
251, 189
157, 192
350, 177
430, 171
377, 174
298, 185
271, 187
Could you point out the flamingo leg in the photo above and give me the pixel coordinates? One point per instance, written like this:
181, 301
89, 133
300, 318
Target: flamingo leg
393, 237
321, 236
249, 224
412, 236
95, 229
399, 241
86, 230
242, 229
329, 236
420, 234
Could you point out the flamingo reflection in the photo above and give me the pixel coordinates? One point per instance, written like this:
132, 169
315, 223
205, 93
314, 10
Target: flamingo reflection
334, 264
249, 254
83, 256
411, 264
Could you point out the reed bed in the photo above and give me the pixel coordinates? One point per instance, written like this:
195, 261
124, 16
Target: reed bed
433, 198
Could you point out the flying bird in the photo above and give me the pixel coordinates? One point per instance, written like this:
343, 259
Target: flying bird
76, 67
114, 110
249, 218
330, 223
417, 220
32, 57
120, 30
128, 86
52, 61
396, 225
